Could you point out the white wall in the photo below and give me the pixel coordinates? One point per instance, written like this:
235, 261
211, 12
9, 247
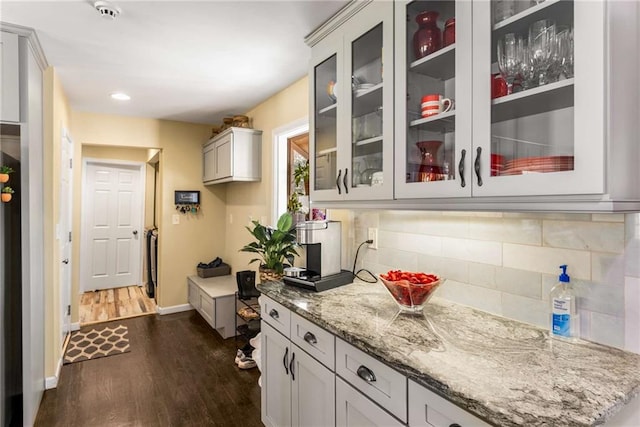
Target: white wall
506, 263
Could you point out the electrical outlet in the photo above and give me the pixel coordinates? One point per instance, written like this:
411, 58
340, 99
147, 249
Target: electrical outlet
372, 234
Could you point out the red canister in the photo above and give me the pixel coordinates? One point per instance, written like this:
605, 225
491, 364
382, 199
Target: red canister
449, 35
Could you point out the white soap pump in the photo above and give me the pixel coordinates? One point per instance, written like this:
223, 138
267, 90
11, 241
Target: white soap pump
565, 321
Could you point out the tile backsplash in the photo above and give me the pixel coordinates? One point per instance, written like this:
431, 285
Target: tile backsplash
506, 263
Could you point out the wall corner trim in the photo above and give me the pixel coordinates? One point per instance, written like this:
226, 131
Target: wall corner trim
174, 309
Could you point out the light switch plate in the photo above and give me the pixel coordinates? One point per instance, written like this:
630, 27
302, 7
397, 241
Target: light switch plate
175, 219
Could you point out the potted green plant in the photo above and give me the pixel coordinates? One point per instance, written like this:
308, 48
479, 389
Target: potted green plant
299, 208
4, 173
275, 247
7, 193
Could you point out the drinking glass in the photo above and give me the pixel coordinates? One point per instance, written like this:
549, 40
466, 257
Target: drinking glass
542, 37
525, 72
508, 59
564, 46
503, 9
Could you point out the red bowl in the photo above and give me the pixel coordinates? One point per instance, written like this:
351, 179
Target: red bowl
411, 297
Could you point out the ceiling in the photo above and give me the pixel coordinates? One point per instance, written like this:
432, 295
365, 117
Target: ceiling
178, 60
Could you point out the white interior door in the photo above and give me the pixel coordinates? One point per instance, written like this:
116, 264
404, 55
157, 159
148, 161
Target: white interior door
64, 231
112, 218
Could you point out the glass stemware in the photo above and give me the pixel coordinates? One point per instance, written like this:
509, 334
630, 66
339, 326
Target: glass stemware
564, 46
542, 37
525, 72
508, 59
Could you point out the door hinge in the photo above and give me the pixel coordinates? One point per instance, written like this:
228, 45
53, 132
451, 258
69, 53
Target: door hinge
69, 310
70, 163
69, 236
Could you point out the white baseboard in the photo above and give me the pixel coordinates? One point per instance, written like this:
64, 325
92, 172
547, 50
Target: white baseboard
52, 382
75, 326
174, 309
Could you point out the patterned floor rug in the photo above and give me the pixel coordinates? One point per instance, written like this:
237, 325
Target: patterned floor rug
97, 342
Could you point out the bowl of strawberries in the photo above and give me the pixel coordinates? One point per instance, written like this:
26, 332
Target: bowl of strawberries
411, 291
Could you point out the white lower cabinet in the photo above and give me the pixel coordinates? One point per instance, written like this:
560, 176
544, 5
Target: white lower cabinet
430, 410
214, 298
297, 390
353, 409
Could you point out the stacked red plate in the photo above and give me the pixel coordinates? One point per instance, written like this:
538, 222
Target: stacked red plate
497, 164
537, 165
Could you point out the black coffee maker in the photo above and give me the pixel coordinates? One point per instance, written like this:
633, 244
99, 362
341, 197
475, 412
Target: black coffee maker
322, 241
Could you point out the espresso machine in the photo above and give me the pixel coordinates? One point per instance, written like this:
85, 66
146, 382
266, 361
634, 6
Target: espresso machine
322, 241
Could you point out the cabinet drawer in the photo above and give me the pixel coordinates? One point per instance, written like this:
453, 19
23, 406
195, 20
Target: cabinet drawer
276, 315
382, 384
355, 410
208, 309
430, 410
314, 340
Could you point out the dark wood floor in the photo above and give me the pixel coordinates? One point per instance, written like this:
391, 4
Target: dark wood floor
179, 373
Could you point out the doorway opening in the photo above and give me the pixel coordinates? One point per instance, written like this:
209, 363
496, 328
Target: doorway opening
119, 189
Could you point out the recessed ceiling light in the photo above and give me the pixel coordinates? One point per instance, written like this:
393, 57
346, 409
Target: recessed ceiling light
120, 96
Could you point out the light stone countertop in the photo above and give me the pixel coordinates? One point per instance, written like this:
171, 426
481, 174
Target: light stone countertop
503, 371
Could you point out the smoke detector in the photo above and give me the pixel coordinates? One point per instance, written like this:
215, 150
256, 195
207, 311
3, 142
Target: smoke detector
107, 10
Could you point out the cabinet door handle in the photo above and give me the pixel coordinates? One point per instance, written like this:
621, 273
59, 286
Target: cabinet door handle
285, 360
338, 181
274, 313
463, 154
310, 338
477, 166
345, 181
455, 425
366, 374
291, 366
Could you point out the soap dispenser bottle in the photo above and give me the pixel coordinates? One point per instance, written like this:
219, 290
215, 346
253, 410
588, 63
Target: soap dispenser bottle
565, 321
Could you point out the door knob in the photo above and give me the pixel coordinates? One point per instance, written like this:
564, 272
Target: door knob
65, 261
135, 232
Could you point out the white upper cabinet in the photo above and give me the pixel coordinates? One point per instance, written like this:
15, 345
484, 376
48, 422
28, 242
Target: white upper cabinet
233, 155
9, 78
352, 108
531, 100
504, 105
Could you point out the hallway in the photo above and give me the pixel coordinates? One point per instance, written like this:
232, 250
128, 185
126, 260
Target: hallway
179, 373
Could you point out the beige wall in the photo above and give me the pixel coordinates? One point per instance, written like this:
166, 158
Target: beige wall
56, 116
181, 246
255, 200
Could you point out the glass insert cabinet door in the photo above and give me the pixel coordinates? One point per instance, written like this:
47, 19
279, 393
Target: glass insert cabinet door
353, 109
325, 129
433, 99
538, 97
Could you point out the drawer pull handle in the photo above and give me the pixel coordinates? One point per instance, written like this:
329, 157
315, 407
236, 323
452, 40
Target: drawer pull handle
455, 425
274, 313
285, 360
366, 374
310, 338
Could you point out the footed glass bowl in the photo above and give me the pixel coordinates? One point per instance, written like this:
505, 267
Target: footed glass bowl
410, 297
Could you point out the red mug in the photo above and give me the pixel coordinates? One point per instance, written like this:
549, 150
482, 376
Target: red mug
498, 86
